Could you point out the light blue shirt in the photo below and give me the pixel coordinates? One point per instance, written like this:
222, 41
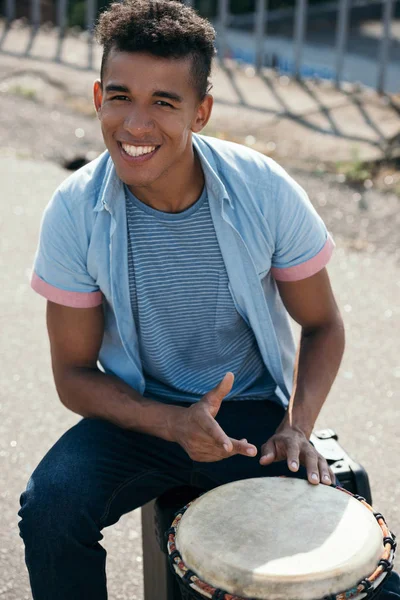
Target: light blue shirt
266, 228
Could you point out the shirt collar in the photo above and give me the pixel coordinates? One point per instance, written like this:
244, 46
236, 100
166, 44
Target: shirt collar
214, 182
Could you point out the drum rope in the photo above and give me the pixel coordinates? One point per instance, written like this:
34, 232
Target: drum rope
365, 589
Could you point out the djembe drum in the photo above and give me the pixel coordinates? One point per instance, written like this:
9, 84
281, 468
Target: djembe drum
276, 538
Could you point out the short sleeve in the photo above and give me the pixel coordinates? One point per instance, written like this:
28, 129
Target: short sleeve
60, 273
303, 245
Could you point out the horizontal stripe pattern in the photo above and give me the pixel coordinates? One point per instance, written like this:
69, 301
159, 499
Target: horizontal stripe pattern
190, 333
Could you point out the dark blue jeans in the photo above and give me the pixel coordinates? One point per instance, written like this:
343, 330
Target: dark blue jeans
97, 472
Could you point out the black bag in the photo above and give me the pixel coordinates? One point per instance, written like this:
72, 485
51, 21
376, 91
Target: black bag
351, 475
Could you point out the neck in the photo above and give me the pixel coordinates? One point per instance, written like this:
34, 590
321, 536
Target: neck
182, 189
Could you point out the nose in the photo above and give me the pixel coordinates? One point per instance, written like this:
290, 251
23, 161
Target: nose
138, 121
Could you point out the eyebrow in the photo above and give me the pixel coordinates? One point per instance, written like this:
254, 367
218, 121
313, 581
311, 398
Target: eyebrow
112, 87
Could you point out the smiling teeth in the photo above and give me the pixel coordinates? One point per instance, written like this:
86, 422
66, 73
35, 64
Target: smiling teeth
137, 150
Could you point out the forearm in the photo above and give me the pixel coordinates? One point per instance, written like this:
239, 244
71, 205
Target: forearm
317, 364
94, 394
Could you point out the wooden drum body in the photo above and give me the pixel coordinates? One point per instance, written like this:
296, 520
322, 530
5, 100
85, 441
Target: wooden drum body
277, 538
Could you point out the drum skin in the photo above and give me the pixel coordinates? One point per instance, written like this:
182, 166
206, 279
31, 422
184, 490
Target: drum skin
279, 539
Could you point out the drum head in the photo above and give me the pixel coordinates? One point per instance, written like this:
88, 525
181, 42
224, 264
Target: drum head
279, 539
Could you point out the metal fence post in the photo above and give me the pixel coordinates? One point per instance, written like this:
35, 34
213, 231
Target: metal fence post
342, 32
10, 11
259, 26
223, 13
385, 44
62, 15
35, 13
62, 25
299, 34
91, 6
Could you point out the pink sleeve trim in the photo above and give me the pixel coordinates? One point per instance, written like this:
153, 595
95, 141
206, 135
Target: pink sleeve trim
72, 299
308, 268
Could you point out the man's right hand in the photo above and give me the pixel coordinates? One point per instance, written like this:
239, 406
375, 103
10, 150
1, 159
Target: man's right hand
199, 434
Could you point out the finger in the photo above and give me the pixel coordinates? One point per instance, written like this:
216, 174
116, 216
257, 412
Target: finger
215, 431
243, 447
215, 396
333, 476
268, 453
324, 471
310, 461
293, 459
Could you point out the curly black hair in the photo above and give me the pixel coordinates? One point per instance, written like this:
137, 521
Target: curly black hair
164, 28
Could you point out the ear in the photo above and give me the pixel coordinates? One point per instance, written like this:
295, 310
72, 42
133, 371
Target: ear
97, 95
203, 114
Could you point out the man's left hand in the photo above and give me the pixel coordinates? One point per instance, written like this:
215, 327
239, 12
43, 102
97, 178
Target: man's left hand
291, 444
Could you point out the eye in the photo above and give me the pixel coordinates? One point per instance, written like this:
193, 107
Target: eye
162, 103
119, 98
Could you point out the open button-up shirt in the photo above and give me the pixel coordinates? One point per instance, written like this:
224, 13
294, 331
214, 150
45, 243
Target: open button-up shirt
266, 227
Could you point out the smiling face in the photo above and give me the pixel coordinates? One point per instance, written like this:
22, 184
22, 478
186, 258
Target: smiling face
148, 108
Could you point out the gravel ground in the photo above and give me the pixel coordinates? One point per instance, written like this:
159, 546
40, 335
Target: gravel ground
41, 132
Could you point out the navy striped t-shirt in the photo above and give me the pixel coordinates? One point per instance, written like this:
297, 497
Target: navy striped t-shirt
190, 333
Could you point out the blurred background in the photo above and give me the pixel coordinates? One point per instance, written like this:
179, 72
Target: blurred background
283, 34
313, 84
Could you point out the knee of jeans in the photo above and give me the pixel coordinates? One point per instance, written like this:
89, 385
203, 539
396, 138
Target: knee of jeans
55, 504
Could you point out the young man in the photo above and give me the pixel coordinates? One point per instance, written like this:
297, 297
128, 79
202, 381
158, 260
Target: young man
170, 265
